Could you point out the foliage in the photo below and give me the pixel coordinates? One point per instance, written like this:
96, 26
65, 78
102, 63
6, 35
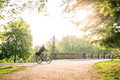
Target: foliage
6, 60
108, 70
74, 44
117, 56
18, 41
103, 22
36, 48
33, 56
14, 7
49, 46
3, 61
10, 10
10, 69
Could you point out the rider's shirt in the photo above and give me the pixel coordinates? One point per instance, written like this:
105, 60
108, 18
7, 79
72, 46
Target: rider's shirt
42, 49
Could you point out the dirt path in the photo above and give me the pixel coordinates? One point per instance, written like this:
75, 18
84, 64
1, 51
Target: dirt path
57, 70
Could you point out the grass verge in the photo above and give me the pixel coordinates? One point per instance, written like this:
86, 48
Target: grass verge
10, 69
108, 70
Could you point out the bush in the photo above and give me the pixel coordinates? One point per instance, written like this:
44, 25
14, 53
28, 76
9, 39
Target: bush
117, 56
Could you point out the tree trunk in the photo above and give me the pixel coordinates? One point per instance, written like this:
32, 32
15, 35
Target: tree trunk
15, 56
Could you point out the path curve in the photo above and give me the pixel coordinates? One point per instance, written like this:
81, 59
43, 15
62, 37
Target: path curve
72, 69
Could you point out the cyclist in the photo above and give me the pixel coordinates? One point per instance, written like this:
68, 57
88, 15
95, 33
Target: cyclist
41, 51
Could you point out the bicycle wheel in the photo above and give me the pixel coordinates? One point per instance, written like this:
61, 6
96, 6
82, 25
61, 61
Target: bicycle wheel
48, 59
39, 59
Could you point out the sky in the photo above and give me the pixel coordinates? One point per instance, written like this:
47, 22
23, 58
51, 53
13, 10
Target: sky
43, 28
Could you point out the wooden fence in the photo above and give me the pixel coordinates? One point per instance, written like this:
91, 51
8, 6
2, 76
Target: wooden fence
81, 56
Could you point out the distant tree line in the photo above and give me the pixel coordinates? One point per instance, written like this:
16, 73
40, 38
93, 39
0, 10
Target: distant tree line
73, 44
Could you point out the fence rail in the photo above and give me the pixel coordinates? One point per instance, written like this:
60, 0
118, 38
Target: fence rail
81, 56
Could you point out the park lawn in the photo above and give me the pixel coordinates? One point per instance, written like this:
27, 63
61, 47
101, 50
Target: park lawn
10, 69
108, 70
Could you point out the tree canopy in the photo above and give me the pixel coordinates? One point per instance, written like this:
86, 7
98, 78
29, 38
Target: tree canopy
103, 22
18, 41
73, 44
10, 10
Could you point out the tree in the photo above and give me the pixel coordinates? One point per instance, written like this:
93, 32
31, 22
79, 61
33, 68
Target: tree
74, 44
49, 46
103, 23
13, 7
18, 41
10, 10
36, 49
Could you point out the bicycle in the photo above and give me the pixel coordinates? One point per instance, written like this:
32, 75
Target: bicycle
46, 57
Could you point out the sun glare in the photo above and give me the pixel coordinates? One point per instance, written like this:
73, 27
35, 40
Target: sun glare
44, 27
80, 15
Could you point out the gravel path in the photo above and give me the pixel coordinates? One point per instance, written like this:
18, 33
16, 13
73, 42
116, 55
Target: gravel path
57, 70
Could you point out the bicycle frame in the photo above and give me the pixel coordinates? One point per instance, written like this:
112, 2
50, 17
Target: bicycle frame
45, 57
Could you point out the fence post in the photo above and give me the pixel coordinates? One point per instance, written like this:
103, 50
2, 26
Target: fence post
54, 55
84, 55
64, 56
112, 57
92, 56
109, 56
74, 56
104, 55
98, 56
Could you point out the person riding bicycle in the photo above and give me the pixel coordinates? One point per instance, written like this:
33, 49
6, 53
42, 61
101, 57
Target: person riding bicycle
42, 49
42, 56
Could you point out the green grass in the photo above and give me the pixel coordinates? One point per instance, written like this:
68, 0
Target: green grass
10, 69
108, 70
